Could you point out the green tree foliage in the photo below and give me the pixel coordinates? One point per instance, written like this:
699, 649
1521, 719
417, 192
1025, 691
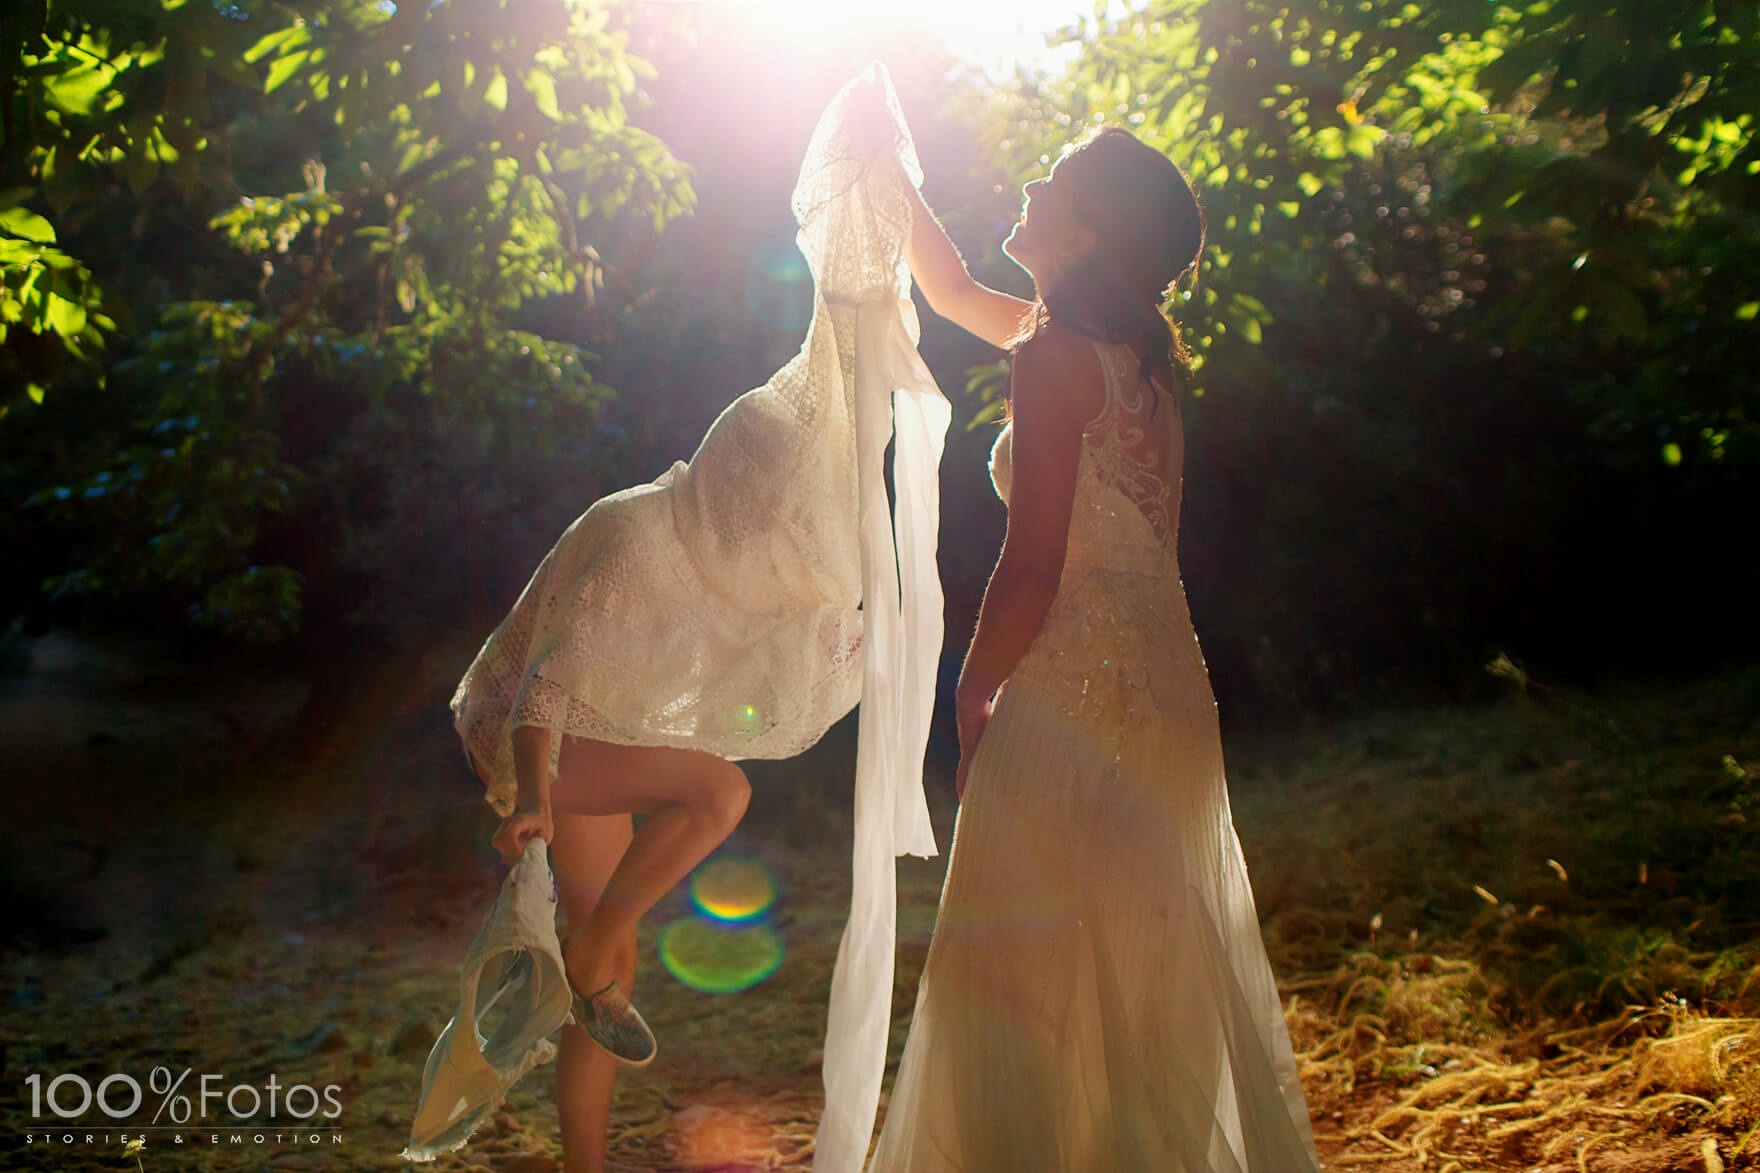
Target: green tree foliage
380, 201
315, 306
1616, 143
1472, 317
96, 93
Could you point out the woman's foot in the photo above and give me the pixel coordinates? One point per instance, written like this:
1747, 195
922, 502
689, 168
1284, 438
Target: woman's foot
615, 1025
601, 1007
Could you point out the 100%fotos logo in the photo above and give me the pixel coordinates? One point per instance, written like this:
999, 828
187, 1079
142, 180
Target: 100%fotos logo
119, 1096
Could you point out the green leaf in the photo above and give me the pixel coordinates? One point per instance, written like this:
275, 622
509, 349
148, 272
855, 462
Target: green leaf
1671, 454
139, 168
1309, 183
1746, 311
35, 391
61, 181
495, 93
75, 91
287, 38
162, 150
1361, 141
543, 91
66, 318
26, 223
284, 68
1329, 142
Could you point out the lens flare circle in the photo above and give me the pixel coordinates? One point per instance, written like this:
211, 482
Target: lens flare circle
748, 720
715, 958
779, 286
733, 889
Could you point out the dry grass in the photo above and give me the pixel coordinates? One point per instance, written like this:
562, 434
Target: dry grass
1469, 1097
1515, 937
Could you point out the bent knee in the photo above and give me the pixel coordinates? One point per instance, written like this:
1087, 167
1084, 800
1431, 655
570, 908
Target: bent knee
731, 795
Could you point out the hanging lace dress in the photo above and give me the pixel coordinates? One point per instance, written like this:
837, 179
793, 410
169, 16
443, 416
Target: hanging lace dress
748, 598
1097, 994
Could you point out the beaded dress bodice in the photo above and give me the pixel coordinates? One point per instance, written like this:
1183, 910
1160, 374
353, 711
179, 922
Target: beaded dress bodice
1119, 632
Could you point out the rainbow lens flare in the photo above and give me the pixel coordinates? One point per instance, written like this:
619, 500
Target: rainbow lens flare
716, 958
724, 945
733, 889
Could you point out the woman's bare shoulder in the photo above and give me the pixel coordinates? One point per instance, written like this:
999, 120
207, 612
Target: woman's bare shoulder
1061, 365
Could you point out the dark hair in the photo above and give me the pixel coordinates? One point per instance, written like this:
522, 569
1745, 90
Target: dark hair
1148, 234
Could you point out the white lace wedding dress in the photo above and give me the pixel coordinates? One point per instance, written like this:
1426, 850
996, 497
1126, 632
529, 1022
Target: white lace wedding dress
743, 601
1097, 997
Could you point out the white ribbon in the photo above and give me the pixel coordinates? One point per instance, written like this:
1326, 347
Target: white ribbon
896, 398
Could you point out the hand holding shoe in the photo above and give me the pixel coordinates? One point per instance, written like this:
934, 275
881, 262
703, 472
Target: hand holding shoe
517, 829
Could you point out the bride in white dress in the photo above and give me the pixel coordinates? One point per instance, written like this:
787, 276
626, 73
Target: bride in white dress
1097, 995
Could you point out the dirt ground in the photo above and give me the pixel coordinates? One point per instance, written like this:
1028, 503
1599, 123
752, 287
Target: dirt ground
190, 887
193, 892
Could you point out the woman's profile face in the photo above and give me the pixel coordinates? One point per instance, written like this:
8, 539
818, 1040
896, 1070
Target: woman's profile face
1048, 236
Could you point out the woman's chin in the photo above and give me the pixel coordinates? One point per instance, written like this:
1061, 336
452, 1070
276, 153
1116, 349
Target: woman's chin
1011, 248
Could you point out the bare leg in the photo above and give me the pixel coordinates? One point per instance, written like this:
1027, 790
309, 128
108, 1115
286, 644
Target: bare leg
531, 759
692, 801
583, 855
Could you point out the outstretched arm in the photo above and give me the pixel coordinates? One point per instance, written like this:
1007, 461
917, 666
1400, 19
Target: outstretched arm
950, 288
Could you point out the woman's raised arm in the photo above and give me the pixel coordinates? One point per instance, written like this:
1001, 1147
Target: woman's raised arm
950, 288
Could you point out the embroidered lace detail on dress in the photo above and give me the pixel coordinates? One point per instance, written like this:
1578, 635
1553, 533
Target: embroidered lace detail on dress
718, 608
1118, 638
1127, 457
743, 601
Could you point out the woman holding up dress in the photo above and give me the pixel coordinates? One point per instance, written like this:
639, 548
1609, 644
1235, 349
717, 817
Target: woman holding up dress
1097, 995
735, 608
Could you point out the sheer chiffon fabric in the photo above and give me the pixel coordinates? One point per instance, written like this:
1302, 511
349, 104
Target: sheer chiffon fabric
1097, 995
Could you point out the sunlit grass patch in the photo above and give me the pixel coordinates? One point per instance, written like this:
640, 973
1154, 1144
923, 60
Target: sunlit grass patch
1585, 855
1522, 935
1648, 1077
